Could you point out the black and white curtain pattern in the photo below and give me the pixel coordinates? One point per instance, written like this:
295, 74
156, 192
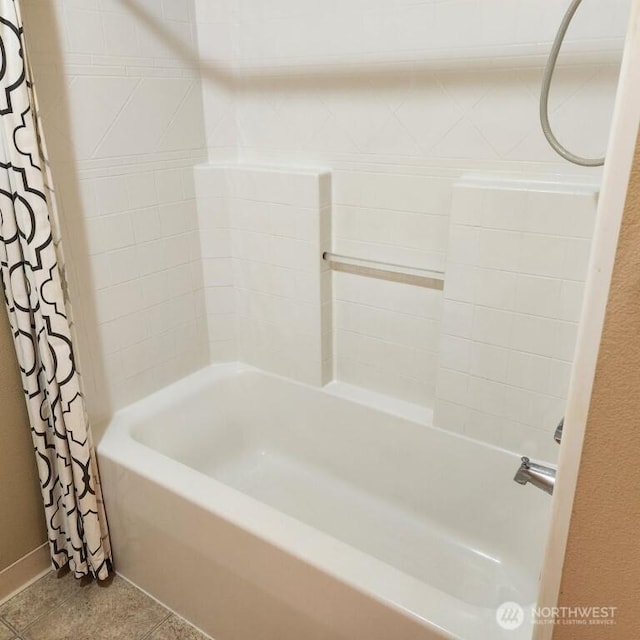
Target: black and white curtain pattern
32, 269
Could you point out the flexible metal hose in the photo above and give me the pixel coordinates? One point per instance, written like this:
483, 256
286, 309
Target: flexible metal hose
544, 94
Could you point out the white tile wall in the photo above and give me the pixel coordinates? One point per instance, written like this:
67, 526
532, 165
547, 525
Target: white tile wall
357, 31
515, 272
401, 99
399, 218
387, 332
146, 278
445, 80
268, 291
120, 99
134, 93
386, 336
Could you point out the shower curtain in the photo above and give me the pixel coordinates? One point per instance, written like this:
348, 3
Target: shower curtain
32, 269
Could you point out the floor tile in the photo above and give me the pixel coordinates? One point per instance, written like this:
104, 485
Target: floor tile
175, 628
100, 612
6, 633
37, 599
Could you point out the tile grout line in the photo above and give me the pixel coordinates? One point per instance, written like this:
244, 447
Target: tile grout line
19, 632
8, 625
157, 626
171, 611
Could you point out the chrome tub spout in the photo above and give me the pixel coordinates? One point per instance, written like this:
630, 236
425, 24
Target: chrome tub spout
538, 475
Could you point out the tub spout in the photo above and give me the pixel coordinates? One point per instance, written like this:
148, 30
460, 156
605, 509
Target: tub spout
538, 475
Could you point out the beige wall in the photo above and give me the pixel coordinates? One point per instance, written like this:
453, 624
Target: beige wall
22, 526
602, 563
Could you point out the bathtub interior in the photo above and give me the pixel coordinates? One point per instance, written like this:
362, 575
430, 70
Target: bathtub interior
430, 503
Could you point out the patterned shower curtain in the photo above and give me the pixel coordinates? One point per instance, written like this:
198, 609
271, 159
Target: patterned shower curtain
32, 269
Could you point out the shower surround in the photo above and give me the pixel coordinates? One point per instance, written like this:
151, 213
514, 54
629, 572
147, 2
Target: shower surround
120, 96
397, 115
207, 152
403, 102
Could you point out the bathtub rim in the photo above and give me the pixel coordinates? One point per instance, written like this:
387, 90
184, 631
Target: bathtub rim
336, 389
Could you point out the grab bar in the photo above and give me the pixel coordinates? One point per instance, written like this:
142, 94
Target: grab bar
386, 271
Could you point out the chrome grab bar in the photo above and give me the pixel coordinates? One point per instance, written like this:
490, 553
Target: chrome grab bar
386, 270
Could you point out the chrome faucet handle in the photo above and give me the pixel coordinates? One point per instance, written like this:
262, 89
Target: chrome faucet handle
557, 436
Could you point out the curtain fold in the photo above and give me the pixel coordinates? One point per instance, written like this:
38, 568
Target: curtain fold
33, 279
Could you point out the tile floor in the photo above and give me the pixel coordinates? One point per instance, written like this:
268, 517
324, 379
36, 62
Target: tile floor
65, 609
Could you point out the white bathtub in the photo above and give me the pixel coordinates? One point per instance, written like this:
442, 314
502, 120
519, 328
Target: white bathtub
259, 508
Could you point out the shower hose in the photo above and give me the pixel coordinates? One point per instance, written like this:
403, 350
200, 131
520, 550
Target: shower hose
544, 95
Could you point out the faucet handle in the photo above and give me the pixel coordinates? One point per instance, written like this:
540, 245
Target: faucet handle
557, 436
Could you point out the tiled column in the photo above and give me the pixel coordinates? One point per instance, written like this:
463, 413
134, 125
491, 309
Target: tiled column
263, 234
515, 272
